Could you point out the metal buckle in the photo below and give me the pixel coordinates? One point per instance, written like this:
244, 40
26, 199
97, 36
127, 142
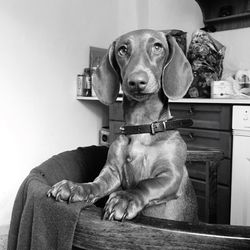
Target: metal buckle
164, 125
152, 127
122, 129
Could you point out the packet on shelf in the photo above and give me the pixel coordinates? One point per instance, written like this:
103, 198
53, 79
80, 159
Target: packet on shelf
237, 86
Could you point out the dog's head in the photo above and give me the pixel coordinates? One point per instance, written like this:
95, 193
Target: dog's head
143, 62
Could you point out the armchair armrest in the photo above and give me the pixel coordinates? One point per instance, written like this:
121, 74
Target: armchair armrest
151, 233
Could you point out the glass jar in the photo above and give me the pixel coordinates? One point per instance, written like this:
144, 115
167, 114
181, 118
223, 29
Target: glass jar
80, 85
92, 72
87, 82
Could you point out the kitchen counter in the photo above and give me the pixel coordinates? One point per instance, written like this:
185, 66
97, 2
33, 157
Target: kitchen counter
212, 101
191, 100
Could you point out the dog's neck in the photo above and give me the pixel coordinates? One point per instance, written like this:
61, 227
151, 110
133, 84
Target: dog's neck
155, 108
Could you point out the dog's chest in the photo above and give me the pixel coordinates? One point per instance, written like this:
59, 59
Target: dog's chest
136, 164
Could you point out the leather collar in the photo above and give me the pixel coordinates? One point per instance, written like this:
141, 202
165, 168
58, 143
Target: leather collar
156, 127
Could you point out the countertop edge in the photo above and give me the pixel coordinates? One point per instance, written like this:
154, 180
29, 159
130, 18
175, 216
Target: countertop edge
188, 100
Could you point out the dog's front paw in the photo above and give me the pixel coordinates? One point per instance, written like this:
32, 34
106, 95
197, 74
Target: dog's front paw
71, 192
122, 205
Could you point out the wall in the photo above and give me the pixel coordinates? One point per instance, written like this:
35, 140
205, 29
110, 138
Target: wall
126, 16
237, 49
159, 15
169, 14
44, 45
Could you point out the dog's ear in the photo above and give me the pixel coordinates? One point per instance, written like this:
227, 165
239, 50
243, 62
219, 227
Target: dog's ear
177, 74
106, 79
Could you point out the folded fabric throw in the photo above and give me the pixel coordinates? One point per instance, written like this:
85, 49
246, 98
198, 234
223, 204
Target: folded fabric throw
205, 55
39, 222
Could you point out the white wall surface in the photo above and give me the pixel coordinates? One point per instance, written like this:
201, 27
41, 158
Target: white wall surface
44, 44
237, 54
182, 14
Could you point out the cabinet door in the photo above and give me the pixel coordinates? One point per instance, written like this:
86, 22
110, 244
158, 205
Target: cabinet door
205, 116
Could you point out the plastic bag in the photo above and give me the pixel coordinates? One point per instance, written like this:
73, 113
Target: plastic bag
205, 55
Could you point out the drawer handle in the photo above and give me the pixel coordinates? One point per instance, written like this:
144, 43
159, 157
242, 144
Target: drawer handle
191, 137
191, 111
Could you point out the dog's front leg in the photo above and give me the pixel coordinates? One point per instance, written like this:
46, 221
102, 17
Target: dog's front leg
107, 181
90, 192
126, 204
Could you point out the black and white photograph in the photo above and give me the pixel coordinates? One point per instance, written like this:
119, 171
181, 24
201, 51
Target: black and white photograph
124, 124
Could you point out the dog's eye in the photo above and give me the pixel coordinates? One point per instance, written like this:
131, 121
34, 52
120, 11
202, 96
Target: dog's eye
123, 50
157, 48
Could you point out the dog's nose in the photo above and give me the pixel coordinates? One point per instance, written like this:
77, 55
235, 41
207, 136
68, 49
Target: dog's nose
138, 80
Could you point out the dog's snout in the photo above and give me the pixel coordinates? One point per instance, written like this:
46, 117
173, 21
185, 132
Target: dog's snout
138, 80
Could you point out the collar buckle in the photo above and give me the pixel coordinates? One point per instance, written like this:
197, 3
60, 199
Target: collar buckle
122, 130
153, 126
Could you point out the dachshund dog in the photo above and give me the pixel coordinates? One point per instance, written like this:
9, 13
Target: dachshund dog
144, 172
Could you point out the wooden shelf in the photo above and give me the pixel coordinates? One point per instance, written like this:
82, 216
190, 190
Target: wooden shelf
93, 98
89, 98
238, 15
220, 19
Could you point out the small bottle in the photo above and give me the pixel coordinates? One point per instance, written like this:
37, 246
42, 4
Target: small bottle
86, 82
92, 72
80, 85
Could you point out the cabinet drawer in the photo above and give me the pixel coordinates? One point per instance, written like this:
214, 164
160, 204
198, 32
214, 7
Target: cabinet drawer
203, 139
116, 111
208, 116
197, 170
